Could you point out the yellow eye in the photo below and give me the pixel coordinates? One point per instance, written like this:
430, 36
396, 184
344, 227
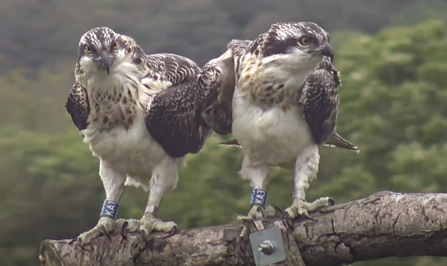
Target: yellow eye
115, 46
305, 41
88, 50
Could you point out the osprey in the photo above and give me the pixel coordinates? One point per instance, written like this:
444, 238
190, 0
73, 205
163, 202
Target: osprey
279, 97
140, 114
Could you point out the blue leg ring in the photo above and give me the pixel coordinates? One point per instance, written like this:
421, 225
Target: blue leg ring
109, 209
258, 197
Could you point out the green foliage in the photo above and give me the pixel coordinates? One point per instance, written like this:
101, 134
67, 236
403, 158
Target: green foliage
395, 104
39, 171
392, 106
35, 104
419, 12
199, 29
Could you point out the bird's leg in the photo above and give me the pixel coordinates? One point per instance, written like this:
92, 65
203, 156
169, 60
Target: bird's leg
306, 169
164, 178
259, 179
113, 182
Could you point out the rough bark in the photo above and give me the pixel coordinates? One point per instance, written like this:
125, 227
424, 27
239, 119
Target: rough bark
382, 225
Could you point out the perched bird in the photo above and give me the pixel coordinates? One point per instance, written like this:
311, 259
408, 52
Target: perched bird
279, 97
140, 114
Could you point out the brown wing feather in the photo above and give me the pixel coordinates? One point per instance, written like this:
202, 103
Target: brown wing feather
219, 78
173, 115
320, 100
77, 106
173, 68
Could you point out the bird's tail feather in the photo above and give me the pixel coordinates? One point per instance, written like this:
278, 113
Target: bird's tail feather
334, 141
337, 141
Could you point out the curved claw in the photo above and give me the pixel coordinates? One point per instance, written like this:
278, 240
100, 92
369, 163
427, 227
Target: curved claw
104, 232
276, 208
79, 243
309, 217
144, 238
284, 215
240, 241
244, 232
286, 220
173, 232
123, 227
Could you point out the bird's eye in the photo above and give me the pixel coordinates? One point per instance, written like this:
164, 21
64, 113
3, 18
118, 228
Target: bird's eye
88, 50
115, 46
304, 41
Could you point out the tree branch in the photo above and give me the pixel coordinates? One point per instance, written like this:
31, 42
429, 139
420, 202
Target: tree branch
382, 225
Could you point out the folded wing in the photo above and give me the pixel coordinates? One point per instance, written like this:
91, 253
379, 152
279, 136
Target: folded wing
173, 114
219, 77
320, 101
77, 106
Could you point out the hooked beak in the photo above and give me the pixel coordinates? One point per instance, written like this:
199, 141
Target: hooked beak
106, 61
328, 51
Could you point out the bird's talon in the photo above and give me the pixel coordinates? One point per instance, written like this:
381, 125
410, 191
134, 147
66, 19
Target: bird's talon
271, 211
241, 218
80, 244
123, 235
123, 238
284, 215
104, 232
123, 227
289, 223
173, 232
239, 243
125, 224
285, 218
305, 214
144, 237
277, 208
243, 236
243, 232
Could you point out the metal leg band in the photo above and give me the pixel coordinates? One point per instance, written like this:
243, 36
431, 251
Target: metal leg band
299, 195
151, 209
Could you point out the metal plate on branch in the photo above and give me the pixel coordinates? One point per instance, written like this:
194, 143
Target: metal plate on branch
268, 246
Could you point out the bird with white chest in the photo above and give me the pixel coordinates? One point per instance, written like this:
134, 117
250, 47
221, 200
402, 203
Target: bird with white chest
140, 114
279, 96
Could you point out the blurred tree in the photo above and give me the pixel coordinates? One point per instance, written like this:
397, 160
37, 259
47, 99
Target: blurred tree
195, 28
339, 38
48, 187
420, 12
36, 103
393, 105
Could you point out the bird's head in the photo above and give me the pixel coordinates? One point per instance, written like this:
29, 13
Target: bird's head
101, 51
304, 42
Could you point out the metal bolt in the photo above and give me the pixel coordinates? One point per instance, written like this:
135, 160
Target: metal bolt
266, 247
